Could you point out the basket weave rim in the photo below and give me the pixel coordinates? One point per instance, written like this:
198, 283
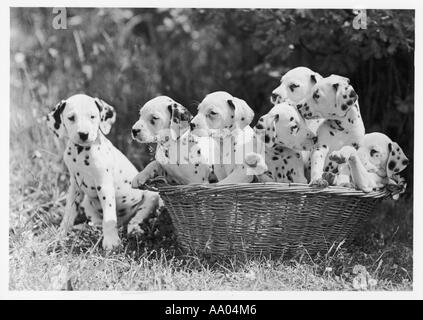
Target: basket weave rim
278, 187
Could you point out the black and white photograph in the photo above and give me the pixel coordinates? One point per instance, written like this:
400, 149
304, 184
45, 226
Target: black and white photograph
170, 148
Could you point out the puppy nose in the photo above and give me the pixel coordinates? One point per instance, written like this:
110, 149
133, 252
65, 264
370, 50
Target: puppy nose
135, 132
83, 136
314, 139
192, 126
274, 97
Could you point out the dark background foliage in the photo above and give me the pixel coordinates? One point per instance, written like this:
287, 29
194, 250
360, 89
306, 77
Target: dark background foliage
128, 56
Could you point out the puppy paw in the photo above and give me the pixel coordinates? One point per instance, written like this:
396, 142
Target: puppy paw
255, 164
353, 159
337, 157
111, 241
329, 177
139, 181
134, 229
320, 183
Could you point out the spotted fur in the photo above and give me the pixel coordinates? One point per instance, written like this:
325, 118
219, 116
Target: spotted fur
100, 174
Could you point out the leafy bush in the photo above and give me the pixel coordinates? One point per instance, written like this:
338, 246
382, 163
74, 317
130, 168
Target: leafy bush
128, 56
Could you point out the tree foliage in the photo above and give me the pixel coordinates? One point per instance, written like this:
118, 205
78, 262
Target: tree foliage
128, 56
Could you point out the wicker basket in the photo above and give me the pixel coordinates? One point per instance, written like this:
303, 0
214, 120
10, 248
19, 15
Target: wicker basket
265, 219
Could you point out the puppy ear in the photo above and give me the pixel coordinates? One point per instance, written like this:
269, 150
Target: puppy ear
54, 119
243, 114
107, 115
179, 119
397, 161
313, 79
342, 89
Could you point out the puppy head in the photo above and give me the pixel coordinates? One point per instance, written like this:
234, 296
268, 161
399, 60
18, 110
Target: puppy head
80, 117
295, 85
284, 125
161, 119
381, 155
220, 112
331, 98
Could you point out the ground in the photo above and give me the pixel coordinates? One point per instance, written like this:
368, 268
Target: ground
380, 258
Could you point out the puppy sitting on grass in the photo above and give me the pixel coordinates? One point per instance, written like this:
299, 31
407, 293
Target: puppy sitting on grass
100, 175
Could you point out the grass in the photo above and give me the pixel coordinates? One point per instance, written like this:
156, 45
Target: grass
380, 258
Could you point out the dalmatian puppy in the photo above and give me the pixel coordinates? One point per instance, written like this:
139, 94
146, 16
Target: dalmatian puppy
376, 163
286, 135
295, 85
334, 99
180, 157
226, 119
100, 175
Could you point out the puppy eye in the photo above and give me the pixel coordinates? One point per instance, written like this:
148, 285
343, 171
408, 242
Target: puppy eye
93, 117
213, 113
153, 119
316, 95
292, 86
71, 118
373, 152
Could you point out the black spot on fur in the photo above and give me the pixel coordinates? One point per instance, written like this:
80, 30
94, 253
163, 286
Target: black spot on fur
99, 106
99, 188
266, 139
212, 177
109, 114
344, 107
57, 113
391, 165
79, 148
231, 104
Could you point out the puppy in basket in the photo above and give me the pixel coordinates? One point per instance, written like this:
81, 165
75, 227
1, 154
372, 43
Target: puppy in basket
286, 135
225, 119
376, 164
181, 157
